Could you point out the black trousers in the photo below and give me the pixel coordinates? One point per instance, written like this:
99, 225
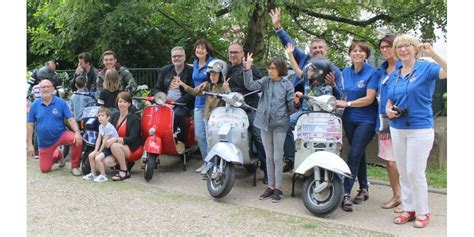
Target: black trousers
180, 114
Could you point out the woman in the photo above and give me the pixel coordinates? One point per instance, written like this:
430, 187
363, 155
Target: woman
360, 113
112, 87
382, 125
409, 103
202, 56
272, 118
128, 146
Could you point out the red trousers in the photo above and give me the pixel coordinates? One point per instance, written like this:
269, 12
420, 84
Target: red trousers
47, 159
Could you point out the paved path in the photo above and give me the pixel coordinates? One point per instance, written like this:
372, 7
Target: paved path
171, 185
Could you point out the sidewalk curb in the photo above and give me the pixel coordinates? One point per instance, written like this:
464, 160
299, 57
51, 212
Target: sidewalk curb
431, 190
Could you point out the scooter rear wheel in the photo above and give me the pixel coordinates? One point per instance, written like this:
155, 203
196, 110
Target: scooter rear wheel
150, 166
327, 200
85, 165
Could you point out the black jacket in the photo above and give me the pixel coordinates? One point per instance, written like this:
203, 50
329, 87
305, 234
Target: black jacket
236, 82
91, 79
166, 76
133, 136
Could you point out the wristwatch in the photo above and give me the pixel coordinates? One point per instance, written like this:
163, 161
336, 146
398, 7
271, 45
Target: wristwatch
349, 103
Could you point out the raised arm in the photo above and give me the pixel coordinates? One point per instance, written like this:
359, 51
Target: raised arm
426, 48
249, 83
289, 50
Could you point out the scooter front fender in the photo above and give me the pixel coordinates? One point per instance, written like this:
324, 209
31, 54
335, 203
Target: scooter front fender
226, 151
326, 160
153, 145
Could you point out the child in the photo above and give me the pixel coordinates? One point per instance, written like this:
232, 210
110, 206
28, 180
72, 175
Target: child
96, 158
275, 105
80, 99
216, 71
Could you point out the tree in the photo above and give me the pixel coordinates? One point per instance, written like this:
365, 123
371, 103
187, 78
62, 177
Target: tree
143, 32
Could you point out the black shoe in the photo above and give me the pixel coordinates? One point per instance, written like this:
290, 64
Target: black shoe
346, 203
288, 165
277, 195
267, 194
362, 195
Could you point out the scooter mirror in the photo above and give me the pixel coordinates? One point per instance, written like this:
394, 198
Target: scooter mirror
236, 99
160, 98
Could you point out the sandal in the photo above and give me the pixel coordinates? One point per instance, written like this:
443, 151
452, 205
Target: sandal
391, 204
118, 177
419, 223
403, 218
398, 209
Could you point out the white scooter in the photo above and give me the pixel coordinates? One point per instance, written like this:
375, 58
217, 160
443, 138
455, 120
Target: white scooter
318, 147
229, 138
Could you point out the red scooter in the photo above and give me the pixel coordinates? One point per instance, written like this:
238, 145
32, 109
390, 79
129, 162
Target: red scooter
157, 132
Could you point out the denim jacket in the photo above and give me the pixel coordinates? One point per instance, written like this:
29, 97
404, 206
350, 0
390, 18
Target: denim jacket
276, 102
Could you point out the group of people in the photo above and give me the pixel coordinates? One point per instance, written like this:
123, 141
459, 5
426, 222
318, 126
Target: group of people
393, 101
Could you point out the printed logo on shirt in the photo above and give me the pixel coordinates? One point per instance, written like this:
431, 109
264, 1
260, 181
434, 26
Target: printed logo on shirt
361, 84
413, 78
55, 111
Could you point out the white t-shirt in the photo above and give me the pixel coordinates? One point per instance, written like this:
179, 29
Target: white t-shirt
108, 130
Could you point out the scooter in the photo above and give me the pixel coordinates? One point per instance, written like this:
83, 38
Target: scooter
229, 138
318, 143
89, 126
157, 131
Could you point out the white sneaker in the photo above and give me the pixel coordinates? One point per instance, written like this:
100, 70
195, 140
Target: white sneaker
76, 172
89, 177
100, 179
204, 170
198, 170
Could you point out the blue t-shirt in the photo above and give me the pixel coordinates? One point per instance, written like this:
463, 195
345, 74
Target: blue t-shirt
355, 87
382, 93
200, 76
49, 120
414, 92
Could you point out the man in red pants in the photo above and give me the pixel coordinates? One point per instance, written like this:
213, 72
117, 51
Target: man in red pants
48, 114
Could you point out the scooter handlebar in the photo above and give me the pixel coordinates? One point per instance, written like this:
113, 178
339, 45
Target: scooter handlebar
148, 98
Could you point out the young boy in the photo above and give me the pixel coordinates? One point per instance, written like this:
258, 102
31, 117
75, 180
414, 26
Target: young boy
79, 99
96, 158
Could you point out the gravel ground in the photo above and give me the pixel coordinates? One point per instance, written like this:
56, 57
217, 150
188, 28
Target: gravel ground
59, 204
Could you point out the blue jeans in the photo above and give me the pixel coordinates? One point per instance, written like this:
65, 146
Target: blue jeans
289, 146
200, 131
359, 136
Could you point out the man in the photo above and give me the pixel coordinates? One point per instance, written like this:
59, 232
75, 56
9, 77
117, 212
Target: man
48, 71
317, 47
109, 59
236, 83
85, 69
174, 92
48, 114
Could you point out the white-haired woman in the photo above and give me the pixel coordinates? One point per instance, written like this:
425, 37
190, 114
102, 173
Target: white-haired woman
411, 123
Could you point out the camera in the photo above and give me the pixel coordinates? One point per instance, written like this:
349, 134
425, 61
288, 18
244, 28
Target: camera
402, 112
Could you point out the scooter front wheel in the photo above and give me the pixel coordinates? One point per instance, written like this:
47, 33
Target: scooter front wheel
219, 183
150, 166
326, 200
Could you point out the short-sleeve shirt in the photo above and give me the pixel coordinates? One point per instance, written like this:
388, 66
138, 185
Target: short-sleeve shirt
355, 87
109, 130
49, 120
200, 76
414, 92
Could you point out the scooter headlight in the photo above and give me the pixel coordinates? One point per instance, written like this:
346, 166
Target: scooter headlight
151, 131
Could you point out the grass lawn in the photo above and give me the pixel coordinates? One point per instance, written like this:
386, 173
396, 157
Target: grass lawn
437, 178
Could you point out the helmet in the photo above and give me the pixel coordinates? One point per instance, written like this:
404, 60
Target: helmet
217, 65
317, 69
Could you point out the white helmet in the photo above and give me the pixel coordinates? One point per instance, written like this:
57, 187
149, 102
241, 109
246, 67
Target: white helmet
217, 65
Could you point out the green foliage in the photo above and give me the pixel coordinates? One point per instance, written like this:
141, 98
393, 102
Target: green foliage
437, 178
143, 32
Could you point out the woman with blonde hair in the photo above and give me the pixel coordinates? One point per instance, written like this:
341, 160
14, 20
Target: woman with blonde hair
112, 87
410, 96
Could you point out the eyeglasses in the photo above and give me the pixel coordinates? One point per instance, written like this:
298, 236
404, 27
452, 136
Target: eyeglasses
385, 47
272, 68
235, 52
177, 56
400, 47
44, 87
